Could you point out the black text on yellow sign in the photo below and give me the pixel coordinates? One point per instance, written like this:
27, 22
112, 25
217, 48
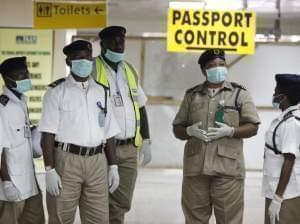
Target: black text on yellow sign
196, 30
60, 15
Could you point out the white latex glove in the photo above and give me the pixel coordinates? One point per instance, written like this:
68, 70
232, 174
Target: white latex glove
113, 178
274, 209
222, 131
195, 131
145, 153
36, 143
10, 191
53, 182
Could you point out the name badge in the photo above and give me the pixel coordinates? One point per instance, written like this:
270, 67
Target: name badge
118, 100
27, 131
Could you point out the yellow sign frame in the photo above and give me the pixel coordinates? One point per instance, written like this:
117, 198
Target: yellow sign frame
69, 14
192, 30
37, 46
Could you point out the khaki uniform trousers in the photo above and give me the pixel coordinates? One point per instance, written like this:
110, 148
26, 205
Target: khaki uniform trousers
201, 194
29, 211
120, 200
84, 183
289, 212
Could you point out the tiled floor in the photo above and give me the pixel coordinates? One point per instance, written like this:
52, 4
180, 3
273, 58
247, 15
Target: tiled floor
158, 192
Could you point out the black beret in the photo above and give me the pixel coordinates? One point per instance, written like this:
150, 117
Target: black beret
209, 55
289, 84
287, 80
78, 45
111, 31
12, 64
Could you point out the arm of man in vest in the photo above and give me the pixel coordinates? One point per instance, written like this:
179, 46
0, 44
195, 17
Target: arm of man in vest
145, 133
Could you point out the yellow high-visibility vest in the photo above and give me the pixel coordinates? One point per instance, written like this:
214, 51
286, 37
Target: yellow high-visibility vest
131, 75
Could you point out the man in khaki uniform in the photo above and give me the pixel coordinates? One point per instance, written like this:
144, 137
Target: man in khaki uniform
78, 129
214, 117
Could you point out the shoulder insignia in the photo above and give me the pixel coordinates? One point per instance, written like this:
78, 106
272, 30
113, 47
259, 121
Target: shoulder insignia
237, 85
4, 99
57, 82
193, 89
297, 118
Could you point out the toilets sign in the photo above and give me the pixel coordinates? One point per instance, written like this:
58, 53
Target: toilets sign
191, 30
74, 14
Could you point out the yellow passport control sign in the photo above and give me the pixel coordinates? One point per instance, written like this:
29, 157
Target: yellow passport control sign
196, 30
71, 14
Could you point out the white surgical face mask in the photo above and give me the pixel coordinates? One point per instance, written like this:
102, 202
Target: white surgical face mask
114, 56
217, 74
82, 67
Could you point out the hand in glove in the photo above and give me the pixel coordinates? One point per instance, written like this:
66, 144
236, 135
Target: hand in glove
274, 209
10, 191
195, 131
113, 178
222, 131
53, 182
145, 152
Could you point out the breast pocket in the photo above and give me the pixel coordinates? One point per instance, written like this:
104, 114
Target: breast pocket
232, 117
19, 155
197, 113
18, 134
69, 113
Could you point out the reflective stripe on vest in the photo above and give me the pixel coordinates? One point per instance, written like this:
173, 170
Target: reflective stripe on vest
131, 76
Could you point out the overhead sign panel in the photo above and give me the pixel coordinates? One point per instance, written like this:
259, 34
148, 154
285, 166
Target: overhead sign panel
195, 30
71, 14
37, 46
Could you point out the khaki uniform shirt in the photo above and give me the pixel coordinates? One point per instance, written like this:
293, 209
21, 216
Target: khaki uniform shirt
224, 156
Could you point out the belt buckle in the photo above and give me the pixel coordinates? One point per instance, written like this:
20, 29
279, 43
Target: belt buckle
87, 152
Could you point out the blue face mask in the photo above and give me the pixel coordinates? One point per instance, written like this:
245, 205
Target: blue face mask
114, 56
22, 86
217, 74
82, 67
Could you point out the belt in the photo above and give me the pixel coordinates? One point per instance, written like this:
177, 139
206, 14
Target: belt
79, 150
124, 141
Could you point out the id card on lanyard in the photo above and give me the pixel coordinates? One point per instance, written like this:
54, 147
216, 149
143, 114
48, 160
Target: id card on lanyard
118, 101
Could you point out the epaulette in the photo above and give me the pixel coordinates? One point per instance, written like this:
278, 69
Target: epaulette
237, 85
4, 99
193, 88
56, 83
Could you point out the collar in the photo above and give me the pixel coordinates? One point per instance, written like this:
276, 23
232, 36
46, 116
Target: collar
203, 88
281, 116
90, 82
12, 96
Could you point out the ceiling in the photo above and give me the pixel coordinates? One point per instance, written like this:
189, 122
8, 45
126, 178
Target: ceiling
147, 12
157, 9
